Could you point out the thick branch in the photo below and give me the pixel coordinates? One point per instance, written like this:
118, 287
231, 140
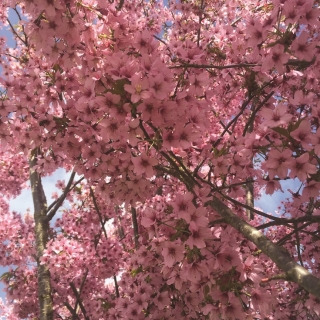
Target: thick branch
135, 226
72, 311
279, 255
41, 233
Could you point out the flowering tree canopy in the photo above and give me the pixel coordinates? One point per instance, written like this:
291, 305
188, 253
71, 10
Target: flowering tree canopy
172, 118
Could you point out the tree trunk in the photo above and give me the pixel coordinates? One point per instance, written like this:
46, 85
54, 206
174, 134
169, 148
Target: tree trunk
41, 233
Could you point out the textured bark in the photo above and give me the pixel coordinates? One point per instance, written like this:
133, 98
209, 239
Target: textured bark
279, 255
249, 198
135, 227
41, 233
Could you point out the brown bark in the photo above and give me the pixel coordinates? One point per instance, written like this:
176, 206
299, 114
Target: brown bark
279, 255
41, 233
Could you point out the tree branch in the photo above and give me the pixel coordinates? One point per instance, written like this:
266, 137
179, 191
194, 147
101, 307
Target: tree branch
41, 235
135, 226
53, 208
279, 255
98, 212
84, 312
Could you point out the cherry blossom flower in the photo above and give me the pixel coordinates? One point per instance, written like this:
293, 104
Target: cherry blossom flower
138, 88
158, 87
311, 190
280, 162
302, 168
276, 117
144, 164
276, 58
172, 252
304, 135
198, 237
183, 206
272, 186
162, 300
261, 301
302, 47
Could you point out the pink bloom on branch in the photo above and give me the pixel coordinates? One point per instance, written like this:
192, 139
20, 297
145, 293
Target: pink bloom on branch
172, 252
198, 237
302, 168
183, 206
198, 218
158, 87
261, 301
162, 300
256, 33
280, 162
275, 58
304, 134
138, 88
311, 190
149, 218
272, 186
143, 164
276, 117
302, 48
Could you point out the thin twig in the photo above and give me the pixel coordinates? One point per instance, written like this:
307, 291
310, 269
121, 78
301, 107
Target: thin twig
98, 212
84, 312
298, 244
255, 112
15, 32
254, 210
81, 288
288, 236
58, 203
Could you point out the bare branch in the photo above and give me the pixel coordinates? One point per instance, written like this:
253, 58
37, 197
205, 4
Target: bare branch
84, 312
98, 212
16, 33
53, 208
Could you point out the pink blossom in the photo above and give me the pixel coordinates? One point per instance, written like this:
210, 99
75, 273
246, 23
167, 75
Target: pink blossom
272, 186
311, 190
158, 87
162, 300
138, 88
276, 117
172, 252
144, 164
198, 237
303, 48
261, 301
304, 135
280, 162
302, 168
183, 206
